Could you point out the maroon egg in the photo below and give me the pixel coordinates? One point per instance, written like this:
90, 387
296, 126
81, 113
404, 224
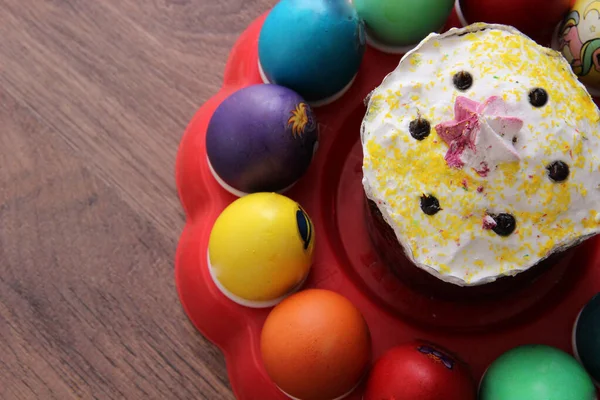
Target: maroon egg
535, 18
419, 370
261, 139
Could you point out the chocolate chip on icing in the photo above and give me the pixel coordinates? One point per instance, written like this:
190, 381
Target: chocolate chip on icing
419, 128
430, 204
538, 97
505, 224
462, 80
558, 171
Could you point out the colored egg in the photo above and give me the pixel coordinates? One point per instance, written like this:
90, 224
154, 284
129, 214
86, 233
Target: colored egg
578, 39
397, 25
261, 139
535, 18
586, 338
315, 345
260, 249
419, 370
536, 372
314, 47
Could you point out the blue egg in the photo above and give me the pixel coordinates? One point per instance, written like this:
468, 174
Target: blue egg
314, 47
586, 338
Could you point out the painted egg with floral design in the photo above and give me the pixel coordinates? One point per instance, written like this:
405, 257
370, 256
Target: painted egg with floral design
578, 39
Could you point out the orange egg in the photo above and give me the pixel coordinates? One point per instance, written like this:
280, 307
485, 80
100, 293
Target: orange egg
316, 345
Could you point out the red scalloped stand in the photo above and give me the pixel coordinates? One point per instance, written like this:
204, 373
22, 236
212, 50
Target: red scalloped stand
331, 192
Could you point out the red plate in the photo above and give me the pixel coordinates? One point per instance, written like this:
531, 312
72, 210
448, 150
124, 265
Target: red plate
331, 192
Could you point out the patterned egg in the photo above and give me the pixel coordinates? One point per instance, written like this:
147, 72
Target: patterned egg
419, 370
578, 39
261, 139
586, 338
314, 47
536, 372
394, 26
316, 345
535, 18
260, 249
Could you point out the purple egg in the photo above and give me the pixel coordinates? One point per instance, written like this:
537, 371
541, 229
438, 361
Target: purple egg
261, 139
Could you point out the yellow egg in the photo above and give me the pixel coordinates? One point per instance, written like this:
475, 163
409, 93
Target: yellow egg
260, 249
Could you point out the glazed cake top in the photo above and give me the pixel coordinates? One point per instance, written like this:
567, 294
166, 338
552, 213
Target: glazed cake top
482, 151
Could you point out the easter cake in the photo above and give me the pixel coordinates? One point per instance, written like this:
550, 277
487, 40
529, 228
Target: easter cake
481, 162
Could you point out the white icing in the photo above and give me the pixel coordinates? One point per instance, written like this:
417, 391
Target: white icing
453, 244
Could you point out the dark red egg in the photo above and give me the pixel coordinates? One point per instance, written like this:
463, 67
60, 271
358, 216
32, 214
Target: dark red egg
535, 18
419, 370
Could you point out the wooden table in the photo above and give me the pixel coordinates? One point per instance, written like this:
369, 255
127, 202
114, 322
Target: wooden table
94, 98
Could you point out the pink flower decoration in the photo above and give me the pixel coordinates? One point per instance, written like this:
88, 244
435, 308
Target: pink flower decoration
480, 135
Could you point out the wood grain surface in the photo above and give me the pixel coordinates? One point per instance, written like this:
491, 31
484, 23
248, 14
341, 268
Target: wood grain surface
94, 98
